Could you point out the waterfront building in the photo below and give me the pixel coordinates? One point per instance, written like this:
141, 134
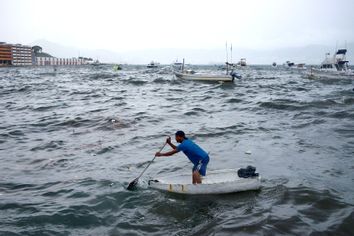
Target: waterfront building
45, 59
5, 54
22, 55
53, 61
16, 55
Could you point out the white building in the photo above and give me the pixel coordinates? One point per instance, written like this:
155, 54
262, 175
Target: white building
22, 55
45, 59
53, 61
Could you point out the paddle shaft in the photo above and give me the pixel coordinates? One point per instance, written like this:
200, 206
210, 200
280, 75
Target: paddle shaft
150, 163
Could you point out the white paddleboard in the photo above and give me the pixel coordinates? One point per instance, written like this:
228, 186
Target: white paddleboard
215, 182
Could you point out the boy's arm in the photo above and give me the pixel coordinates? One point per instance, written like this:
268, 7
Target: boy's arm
170, 153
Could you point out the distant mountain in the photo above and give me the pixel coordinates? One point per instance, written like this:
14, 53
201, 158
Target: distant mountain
311, 54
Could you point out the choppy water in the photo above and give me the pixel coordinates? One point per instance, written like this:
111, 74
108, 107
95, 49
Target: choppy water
71, 141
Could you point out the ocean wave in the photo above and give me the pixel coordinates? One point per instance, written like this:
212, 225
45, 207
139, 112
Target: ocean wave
191, 113
293, 105
75, 122
348, 101
71, 143
160, 80
49, 146
101, 76
135, 81
282, 105
342, 115
308, 123
234, 100
48, 107
15, 133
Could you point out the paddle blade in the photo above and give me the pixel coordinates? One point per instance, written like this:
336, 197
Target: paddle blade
132, 185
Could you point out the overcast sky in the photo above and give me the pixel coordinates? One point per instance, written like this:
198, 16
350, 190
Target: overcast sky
141, 24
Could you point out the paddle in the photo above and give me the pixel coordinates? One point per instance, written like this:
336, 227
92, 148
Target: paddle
133, 184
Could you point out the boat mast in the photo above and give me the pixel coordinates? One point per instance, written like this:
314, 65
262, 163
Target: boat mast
231, 53
227, 60
335, 54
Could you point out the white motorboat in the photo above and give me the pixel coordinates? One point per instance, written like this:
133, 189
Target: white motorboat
335, 63
177, 63
335, 66
215, 182
192, 75
153, 64
292, 65
242, 62
204, 77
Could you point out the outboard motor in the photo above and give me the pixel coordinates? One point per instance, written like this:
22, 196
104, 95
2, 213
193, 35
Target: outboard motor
234, 75
247, 172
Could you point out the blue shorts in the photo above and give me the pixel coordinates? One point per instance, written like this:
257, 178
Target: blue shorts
201, 166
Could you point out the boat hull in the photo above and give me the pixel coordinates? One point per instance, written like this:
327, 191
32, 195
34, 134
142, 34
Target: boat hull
216, 182
204, 77
329, 74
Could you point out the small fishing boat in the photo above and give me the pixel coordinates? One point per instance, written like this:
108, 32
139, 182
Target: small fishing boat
177, 63
192, 75
215, 182
301, 66
289, 64
153, 64
242, 62
117, 67
96, 63
292, 65
206, 77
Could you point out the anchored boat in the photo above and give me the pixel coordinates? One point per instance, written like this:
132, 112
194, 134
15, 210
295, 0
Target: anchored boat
216, 182
153, 64
292, 65
192, 75
117, 67
242, 62
205, 77
335, 66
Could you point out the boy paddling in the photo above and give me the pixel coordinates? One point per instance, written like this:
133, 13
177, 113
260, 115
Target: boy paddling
195, 154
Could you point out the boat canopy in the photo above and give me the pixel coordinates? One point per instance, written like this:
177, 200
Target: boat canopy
341, 51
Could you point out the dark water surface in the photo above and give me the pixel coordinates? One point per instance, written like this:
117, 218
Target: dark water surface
71, 141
